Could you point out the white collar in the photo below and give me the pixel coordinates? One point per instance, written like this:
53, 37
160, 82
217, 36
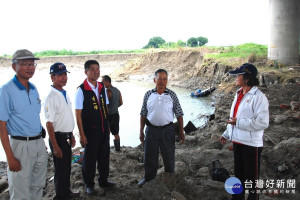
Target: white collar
91, 85
56, 90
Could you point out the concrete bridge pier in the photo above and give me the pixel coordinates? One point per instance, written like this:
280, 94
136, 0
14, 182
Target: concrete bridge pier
284, 31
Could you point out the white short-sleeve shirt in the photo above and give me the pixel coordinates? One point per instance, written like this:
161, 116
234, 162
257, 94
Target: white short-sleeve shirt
160, 108
58, 110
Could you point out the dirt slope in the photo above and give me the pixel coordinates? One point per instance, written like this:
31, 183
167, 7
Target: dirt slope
187, 68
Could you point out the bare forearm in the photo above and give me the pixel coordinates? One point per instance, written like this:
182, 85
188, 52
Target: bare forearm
180, 122
79, 122
142, 126
142, 123
80, 127
51, 134
5, 140
83, 139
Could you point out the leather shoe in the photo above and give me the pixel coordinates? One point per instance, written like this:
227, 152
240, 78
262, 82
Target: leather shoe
142, 182
107, 184
74, 195
90, 191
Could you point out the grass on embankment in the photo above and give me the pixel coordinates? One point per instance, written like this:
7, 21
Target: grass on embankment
248, 52
228, 56
252, 53
64, 52
222, 54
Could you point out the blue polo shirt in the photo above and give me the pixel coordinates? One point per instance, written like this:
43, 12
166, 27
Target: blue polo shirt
20, 108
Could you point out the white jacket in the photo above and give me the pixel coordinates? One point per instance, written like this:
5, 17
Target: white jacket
252, 118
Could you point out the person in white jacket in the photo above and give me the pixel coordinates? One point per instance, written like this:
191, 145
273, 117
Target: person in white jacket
249, 116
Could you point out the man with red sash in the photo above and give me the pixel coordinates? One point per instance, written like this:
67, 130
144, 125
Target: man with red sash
91, 114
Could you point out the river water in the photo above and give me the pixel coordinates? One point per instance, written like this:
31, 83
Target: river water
132, 93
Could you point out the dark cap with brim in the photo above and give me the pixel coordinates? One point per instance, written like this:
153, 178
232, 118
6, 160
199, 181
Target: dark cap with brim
58, 68
23, 54
245, 69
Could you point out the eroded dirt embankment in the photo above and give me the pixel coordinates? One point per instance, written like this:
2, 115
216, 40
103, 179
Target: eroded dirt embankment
280, 158
186, 68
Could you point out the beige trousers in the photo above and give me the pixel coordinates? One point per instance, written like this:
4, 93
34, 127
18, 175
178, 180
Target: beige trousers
28, 183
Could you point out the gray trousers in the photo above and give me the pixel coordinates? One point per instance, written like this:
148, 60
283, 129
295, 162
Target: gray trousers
28, 183
162, 139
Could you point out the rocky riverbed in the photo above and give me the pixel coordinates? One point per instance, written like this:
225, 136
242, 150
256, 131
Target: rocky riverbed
280, 158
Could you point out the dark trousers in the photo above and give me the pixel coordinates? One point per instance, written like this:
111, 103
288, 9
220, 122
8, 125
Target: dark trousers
163, 139
62, 166
96, 150
246, 168
114, 121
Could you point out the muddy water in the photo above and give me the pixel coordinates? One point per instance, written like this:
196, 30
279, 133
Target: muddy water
132, 92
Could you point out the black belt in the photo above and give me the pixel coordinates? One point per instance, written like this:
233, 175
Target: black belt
63, 133
159, 127
26, 138
66, 134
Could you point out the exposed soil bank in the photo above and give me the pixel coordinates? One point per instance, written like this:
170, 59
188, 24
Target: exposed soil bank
280, 158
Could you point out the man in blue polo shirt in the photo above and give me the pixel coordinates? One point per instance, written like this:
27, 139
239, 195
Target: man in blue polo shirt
25, 150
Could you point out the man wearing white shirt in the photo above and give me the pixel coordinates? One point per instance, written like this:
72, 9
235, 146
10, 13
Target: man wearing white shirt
159, 107
91, 114
60, 124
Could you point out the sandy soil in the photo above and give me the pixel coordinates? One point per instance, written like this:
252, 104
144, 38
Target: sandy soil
280, 158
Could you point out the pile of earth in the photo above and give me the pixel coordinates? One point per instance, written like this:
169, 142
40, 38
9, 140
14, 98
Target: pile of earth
280, 158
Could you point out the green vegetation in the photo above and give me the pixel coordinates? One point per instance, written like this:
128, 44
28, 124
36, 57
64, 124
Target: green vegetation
65, 52
248, 51
154, 42
192, 42
235, 55
240, 51
199, 41
158, 42
172, 45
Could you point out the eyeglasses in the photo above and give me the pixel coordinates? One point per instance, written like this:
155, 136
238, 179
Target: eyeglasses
27, 64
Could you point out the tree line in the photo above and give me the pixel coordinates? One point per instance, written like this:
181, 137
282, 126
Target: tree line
158, 42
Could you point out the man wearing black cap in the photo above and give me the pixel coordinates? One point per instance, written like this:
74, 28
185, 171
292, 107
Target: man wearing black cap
60, 124
20, 107
249, 116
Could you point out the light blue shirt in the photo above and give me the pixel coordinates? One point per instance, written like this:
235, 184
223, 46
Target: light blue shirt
20, 108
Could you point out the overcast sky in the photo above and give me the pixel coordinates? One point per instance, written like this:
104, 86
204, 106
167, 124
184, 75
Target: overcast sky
84, 25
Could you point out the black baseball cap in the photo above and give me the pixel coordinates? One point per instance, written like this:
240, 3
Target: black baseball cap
58, 68
246, 68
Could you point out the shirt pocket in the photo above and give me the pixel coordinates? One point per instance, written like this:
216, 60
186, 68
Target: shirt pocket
168, 105
35, 102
